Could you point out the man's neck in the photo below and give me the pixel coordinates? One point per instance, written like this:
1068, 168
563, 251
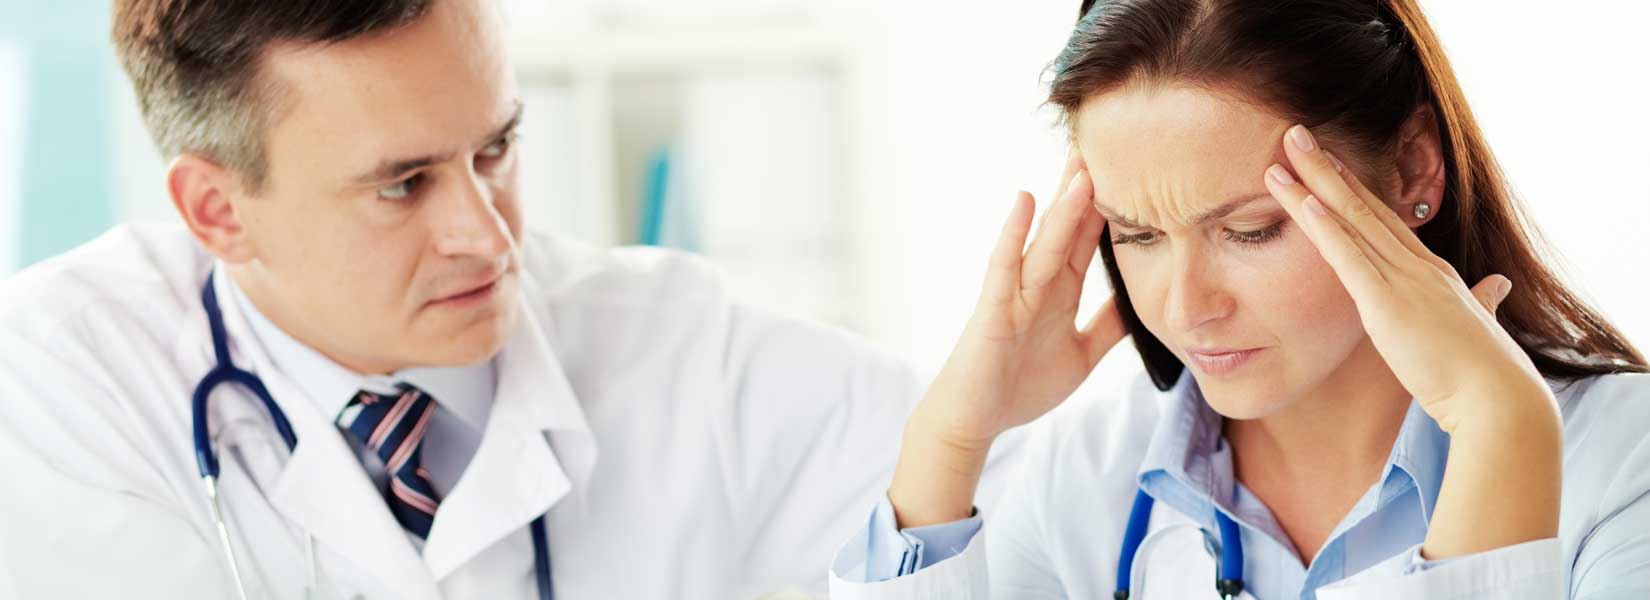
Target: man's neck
1311, 461
253, 284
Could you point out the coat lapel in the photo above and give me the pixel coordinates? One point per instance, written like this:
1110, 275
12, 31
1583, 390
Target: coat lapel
537, 447
324, 489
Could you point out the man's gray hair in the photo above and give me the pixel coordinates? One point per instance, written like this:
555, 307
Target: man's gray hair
194, 65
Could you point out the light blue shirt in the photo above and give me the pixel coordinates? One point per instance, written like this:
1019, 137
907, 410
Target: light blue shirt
1187, 467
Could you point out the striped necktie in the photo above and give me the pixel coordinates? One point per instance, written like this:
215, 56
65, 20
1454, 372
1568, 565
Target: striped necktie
393, 426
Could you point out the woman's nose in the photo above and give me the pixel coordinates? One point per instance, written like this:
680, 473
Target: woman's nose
1197, 294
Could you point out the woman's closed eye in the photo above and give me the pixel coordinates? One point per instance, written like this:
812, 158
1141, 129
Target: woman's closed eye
1244, 237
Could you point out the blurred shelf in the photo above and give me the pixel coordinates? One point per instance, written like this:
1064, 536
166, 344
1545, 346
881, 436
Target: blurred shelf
640, 51
719, 98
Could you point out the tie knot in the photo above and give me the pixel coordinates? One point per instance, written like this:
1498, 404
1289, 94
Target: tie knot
375, 417
392, 426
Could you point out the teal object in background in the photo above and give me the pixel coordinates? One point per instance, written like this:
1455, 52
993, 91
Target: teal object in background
653, 199
68, 147
668, 215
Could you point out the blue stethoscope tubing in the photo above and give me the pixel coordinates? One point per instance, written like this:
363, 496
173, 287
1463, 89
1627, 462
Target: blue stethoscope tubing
1229, 583
226, 372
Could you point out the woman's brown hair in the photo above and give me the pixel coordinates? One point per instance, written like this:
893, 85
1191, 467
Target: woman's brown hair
1354, 71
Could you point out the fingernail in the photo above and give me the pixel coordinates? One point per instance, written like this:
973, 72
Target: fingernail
1506, 288
1335, 161
1280, 175
1313, 205
1302, 138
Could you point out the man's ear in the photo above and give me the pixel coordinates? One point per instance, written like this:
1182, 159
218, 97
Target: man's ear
201, 191
1421, 171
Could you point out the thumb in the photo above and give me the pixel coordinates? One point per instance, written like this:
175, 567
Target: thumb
1492, 291
1104, 330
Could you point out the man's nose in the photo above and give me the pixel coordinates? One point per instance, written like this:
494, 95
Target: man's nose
467, 223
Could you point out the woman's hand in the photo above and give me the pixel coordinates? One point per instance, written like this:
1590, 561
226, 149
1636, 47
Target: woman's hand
1021, 352
1439, 338
1020, 355
1443, 343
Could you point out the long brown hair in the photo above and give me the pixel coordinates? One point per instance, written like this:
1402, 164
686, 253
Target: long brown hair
1354, 71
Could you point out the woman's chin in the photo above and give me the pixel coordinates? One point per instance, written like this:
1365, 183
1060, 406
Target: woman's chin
1242, 401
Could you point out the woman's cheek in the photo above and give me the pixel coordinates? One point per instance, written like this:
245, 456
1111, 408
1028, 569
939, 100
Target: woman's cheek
1318, 308
1138, 279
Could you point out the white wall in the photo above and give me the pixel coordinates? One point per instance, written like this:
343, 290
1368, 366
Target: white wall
962, 94
1564, 98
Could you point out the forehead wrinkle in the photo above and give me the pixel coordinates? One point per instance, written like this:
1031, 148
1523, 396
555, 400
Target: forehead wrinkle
1220, 211
1162, 154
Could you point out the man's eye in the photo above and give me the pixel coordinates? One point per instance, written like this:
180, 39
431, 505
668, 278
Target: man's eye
499, 148
401, 190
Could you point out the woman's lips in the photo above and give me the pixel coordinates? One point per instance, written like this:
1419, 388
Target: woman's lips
1214, 362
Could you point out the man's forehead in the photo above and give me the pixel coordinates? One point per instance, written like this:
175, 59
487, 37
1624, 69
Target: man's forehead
450, 46
421, 90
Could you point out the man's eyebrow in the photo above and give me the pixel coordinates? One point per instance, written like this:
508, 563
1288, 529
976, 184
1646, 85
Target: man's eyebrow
1217, 212
508, 126
393, 169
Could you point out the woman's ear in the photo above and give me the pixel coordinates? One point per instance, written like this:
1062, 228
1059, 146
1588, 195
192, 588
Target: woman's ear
1420, 163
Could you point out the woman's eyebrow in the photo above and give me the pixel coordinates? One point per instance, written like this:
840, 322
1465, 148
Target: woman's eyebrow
1225, 208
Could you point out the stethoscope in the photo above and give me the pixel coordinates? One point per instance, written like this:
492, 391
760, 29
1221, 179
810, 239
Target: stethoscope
1229, 581
226, 372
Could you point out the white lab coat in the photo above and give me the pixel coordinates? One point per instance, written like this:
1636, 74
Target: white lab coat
685, 446
1058, 529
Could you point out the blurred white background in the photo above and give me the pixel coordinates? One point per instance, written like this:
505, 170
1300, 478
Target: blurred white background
848, 161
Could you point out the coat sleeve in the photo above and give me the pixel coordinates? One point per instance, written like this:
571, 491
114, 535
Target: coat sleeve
83, 514
1014, 564
809, 423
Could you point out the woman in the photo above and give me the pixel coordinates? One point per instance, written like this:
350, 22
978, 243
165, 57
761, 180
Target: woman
1291, 198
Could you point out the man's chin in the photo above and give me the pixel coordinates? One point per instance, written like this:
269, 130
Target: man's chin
476, 342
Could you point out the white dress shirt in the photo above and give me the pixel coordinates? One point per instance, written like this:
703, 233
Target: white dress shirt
463, 396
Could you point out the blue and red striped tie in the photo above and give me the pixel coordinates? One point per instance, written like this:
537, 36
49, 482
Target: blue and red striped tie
393, 426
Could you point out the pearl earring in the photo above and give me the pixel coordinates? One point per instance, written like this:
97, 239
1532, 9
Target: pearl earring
1422, 210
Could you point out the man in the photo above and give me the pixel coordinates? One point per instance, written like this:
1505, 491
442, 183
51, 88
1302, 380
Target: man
347, 182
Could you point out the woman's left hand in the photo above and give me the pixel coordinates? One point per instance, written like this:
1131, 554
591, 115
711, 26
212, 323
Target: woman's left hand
1444, 345
1440, 338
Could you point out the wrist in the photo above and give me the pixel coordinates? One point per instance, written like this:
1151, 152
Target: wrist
948, 428
1509, 407
1503, 479
937, 474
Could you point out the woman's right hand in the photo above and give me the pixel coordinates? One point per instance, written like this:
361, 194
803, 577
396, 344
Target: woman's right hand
1020, 355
